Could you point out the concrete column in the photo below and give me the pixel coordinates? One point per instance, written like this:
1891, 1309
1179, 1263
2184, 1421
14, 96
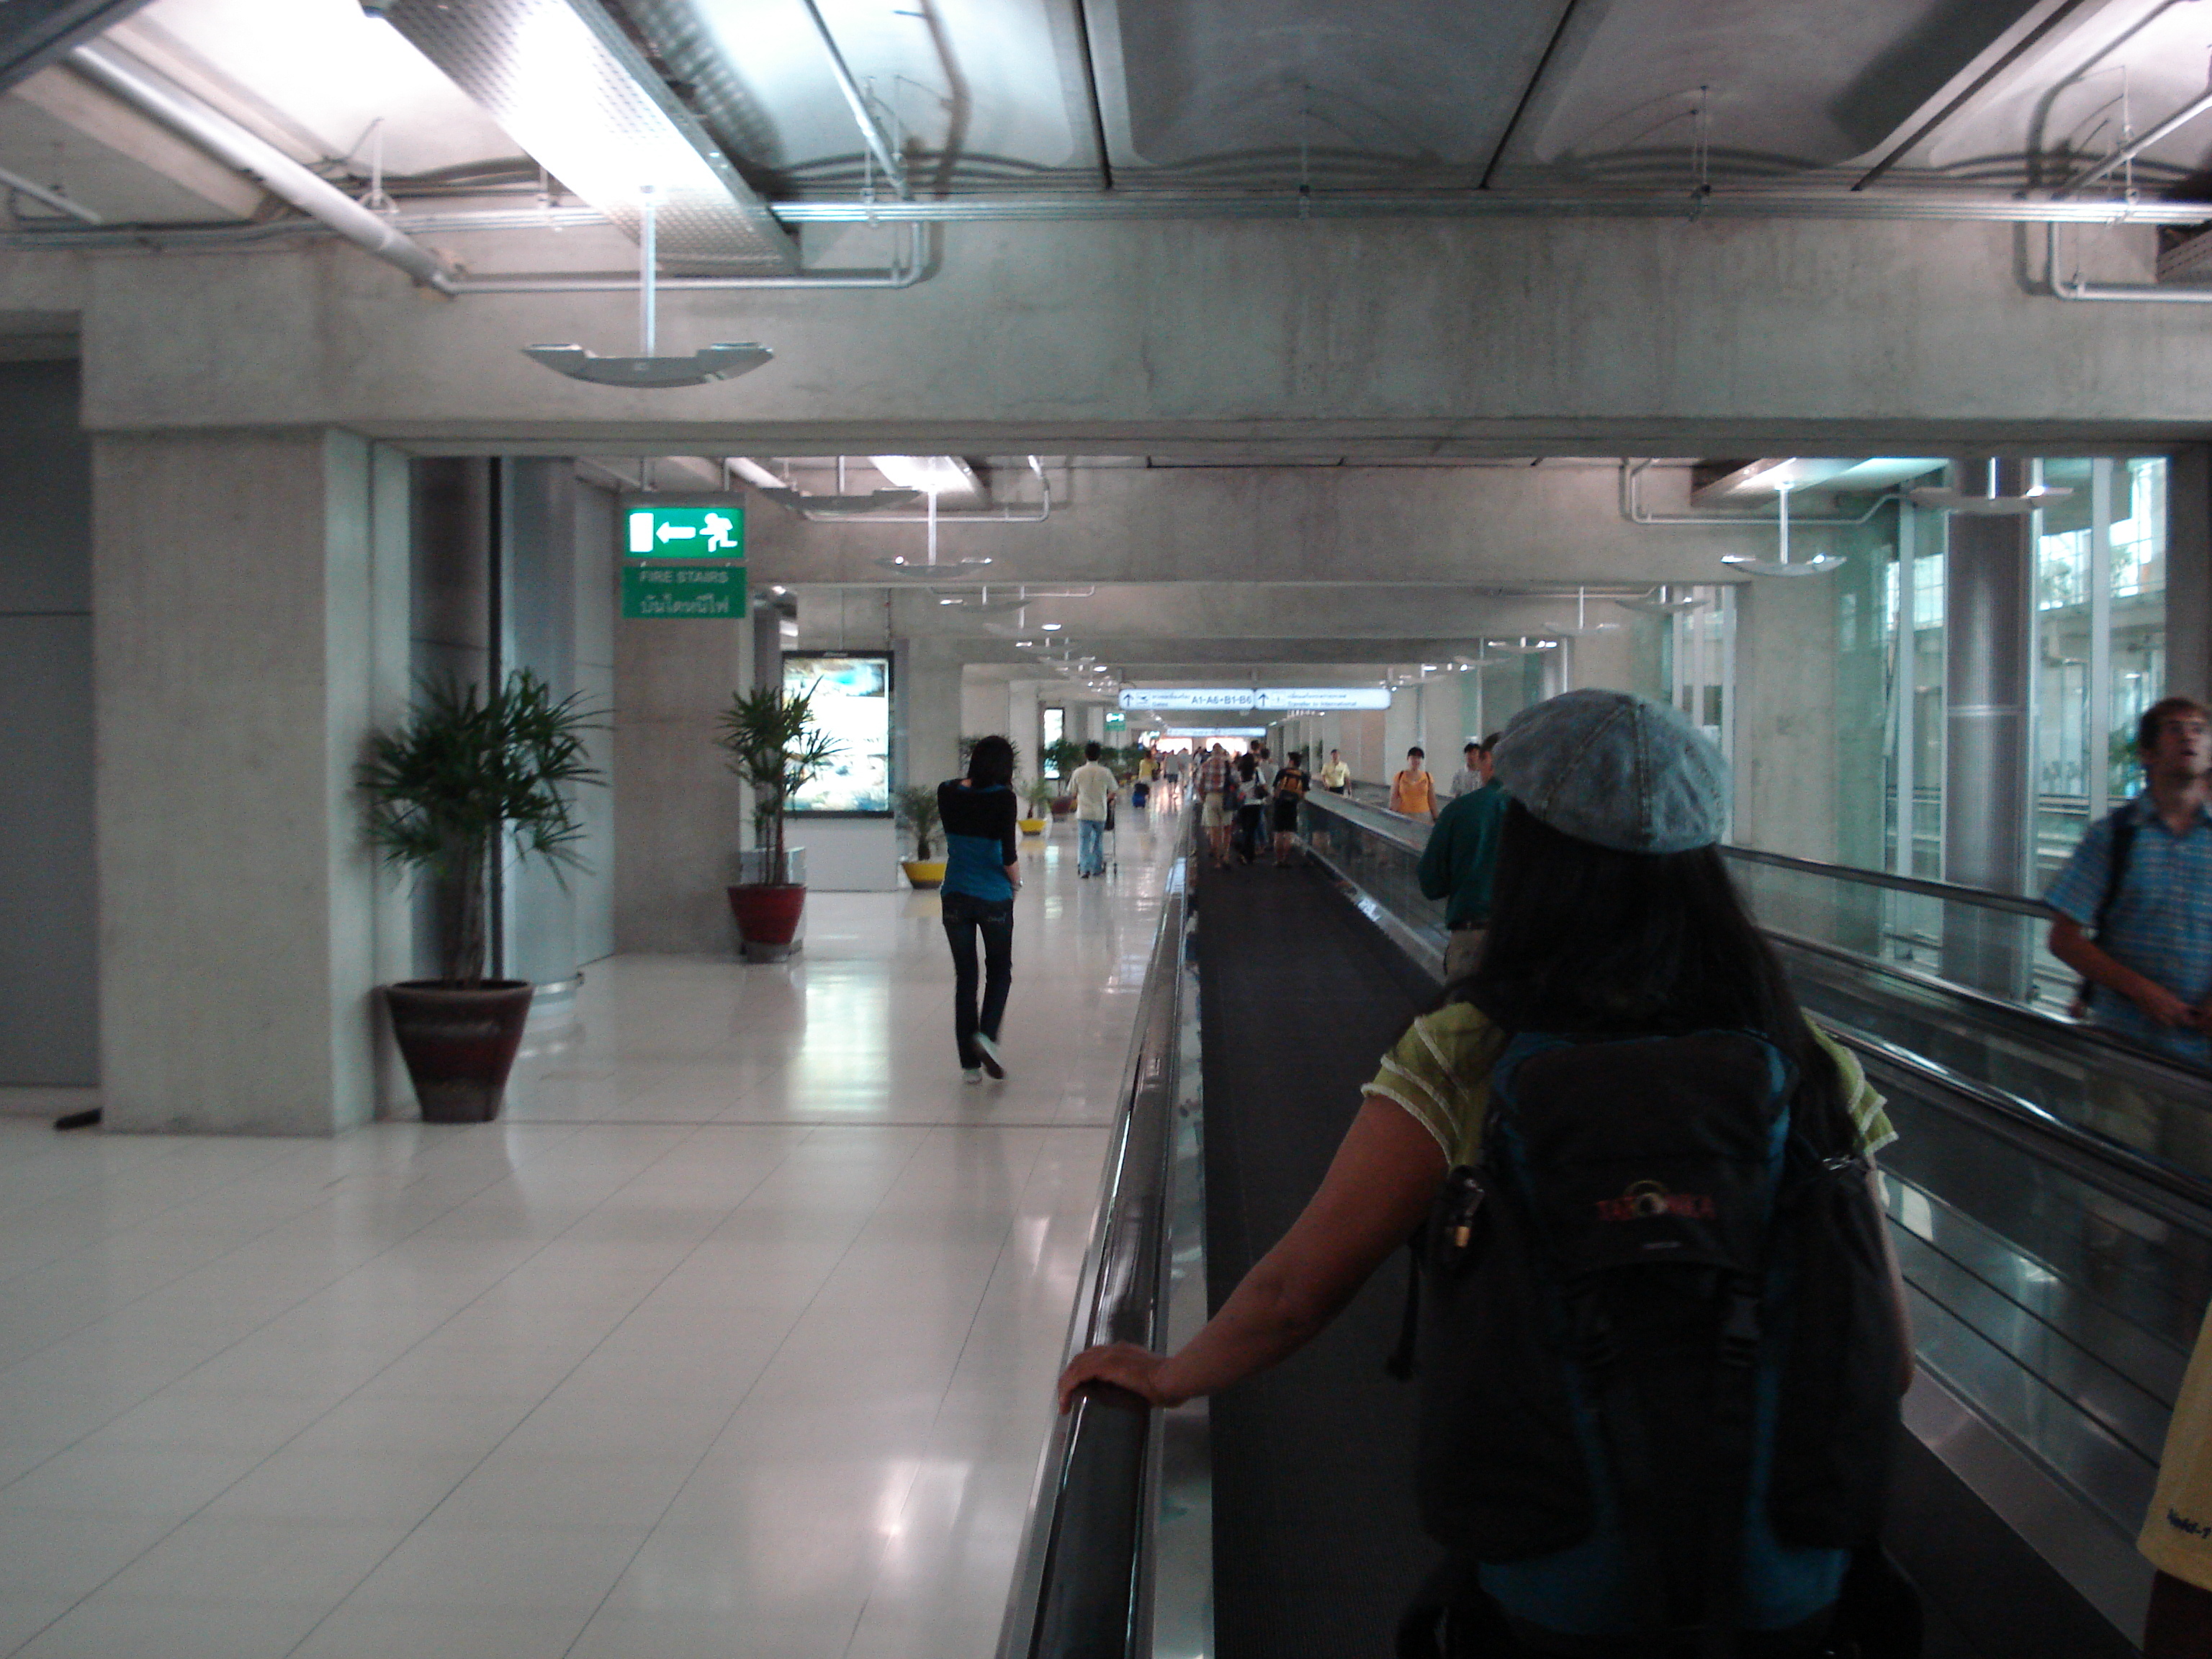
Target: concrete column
2189, 572
680, 815
250, 631
932, 699
1989, 615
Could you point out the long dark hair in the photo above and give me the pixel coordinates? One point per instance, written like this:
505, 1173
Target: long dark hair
1586, 940
991, 761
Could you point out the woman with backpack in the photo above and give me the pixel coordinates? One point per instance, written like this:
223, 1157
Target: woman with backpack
1662, 1335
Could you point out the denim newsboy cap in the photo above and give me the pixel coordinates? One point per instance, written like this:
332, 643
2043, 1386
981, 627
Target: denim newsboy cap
1619, 770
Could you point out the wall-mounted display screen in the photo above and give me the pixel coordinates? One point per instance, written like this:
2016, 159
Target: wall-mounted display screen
853, 705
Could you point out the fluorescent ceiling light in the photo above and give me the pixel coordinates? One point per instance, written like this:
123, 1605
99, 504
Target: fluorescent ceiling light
933, 475
1050, 627
564, 80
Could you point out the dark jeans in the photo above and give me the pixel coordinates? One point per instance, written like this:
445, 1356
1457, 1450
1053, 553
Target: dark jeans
965, 916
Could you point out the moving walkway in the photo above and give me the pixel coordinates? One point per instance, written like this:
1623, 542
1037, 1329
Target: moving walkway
2050, 1195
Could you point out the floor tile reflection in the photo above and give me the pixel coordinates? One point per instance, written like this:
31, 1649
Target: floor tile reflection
734, 1336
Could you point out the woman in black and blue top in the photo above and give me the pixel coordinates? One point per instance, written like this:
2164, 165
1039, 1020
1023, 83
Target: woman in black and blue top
983, 873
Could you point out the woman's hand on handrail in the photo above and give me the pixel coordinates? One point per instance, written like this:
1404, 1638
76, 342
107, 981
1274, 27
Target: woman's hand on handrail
1376, 1191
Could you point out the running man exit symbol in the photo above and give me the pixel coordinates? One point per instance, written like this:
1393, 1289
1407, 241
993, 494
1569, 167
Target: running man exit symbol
686, 533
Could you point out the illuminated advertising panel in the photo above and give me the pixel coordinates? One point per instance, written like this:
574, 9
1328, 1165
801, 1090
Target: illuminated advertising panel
853, 705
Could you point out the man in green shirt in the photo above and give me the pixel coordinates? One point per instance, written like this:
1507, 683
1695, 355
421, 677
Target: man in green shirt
1458, 863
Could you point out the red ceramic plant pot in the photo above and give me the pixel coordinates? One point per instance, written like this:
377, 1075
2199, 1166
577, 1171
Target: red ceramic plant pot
459, 1045
767, 912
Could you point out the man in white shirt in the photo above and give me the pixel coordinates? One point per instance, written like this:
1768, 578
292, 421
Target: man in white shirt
1473, 774
1093, 788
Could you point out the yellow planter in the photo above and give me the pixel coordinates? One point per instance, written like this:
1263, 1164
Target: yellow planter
1032, 826
924, 872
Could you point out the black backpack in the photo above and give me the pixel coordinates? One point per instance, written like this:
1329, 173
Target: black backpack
1650, 1245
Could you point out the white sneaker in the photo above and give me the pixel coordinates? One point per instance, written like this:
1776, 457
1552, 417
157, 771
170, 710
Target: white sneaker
993, 1061
971, 1075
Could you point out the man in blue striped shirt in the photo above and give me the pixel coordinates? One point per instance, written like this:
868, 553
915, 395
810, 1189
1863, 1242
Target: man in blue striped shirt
2149, 964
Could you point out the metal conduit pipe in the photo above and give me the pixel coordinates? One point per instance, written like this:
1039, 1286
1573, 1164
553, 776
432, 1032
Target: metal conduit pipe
2128, 152
1632, 506
53, 198
2139, 293
870, 134
914, 268
168, 103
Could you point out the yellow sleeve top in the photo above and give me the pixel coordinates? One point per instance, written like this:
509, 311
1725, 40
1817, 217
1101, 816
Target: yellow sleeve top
1439, 1072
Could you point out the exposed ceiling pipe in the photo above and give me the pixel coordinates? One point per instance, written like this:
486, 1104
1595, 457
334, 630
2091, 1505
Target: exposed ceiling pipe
2128, 152
2139, 293
1632, 506
872, 133
53, 198
906, 272
168, 103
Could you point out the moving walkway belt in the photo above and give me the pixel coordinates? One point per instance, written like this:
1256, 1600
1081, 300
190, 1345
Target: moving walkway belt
1316, 1546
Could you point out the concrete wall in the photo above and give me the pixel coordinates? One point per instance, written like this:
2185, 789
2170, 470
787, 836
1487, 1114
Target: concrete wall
249, 630
49, 967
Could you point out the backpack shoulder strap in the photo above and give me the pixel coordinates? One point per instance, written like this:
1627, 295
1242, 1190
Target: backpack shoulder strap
2116, 867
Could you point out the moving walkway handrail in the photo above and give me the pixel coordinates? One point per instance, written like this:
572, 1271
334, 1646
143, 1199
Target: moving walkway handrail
2173, 1194
1949, 892
1396, 827
1082, 1587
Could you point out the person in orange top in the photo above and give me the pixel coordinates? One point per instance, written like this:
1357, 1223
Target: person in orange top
1413, 792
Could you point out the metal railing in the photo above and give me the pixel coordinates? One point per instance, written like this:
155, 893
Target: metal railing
1082, 1589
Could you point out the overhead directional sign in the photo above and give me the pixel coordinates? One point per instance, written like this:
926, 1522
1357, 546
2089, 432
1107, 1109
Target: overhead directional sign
669, 591
1238, 699
651, 530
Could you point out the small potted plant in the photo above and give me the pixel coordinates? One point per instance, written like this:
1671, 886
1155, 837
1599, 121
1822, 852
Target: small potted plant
467, 769
1039, 794
917, 810
774, 746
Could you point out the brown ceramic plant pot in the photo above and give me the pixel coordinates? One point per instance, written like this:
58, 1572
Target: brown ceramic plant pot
459, 1044
768, 912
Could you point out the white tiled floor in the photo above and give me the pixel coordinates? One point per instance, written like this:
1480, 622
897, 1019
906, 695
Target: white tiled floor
734, 1338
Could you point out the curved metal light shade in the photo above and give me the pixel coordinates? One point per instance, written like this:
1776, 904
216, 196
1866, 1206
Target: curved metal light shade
1991, 507
1817, 566
902, 566
1665, 601
724, 361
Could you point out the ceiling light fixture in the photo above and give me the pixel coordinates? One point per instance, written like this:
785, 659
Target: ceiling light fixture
1666, 600
724, 362
1780, 565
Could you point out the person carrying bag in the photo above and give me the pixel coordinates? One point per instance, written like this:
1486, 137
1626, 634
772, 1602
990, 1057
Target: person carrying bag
1661, 1335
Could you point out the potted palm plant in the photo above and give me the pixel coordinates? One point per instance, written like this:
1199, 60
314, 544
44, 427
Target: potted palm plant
917, 811
1039, 794
469, 770
774, 746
